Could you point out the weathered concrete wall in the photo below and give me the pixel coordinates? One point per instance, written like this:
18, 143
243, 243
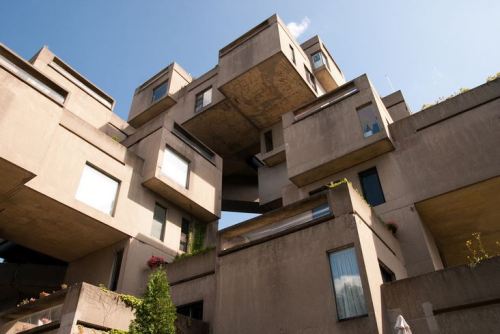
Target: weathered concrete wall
286, 284
454, 300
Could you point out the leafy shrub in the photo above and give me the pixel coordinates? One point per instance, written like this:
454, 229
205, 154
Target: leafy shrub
156, 313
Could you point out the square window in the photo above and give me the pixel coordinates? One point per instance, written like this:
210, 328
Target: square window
175, 167
372, 189
203, 99
159, 221
159, 92
369, 119
97, 190
348, 289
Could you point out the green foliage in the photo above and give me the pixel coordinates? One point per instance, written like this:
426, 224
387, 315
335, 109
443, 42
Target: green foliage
332, 185
493, 77
198, 237
477, 251
461, 90
131, 301
156, 313
179, 257
117, 331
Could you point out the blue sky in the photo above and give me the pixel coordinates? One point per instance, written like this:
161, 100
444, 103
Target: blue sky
425, 48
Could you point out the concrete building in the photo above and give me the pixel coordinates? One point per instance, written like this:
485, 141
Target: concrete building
365, 207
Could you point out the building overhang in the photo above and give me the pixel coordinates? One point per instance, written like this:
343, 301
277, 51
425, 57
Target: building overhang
43, 224
452, 218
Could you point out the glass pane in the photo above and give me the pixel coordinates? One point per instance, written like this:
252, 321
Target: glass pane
198, 105
97, 190
4, 62
370, 122
372, 189
317, 59
159, 218
207, 97
347, 284
175, 167
159, 91
321, 211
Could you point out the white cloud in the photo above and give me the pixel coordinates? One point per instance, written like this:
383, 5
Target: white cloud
298, 29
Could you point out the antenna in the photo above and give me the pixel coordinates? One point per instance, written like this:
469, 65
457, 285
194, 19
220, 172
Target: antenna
390, 82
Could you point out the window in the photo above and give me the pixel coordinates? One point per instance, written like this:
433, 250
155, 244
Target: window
318, 59
387, 274
30, 79
369, 119
159, 221
268, 140
193, 310
115, 273
193, 142
175, 167
159, 92
372, 189
347, 284
203, 99
310, 78
321, 211
293, 54
184, 235
97, 190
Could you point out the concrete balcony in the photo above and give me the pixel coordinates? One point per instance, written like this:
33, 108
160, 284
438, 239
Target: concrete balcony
157, 94
454, 300
81, 308
265, 259
338, 130
324, 66
172, 151
265, 73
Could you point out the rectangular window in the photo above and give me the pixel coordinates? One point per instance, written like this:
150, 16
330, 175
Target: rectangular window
318, 59
175, 167
159, 221
321, 211
347, 284
97, 190
193, 310
30, 79
159, 92
293, 54
369, 119
268, 140
203, 99
193, 142
115, 273
184, 235
372, 189
310, 78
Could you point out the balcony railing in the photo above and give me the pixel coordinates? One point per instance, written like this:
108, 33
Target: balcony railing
276, 222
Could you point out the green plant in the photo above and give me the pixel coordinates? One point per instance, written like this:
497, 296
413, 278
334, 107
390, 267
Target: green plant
198, 237
131, 301
156, 313
179, 257
117, 331
477, 251
461, 90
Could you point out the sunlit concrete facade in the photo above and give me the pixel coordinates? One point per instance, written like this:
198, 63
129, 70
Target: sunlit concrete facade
340, 175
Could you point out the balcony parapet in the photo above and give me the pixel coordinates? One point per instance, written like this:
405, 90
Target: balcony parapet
343, 128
